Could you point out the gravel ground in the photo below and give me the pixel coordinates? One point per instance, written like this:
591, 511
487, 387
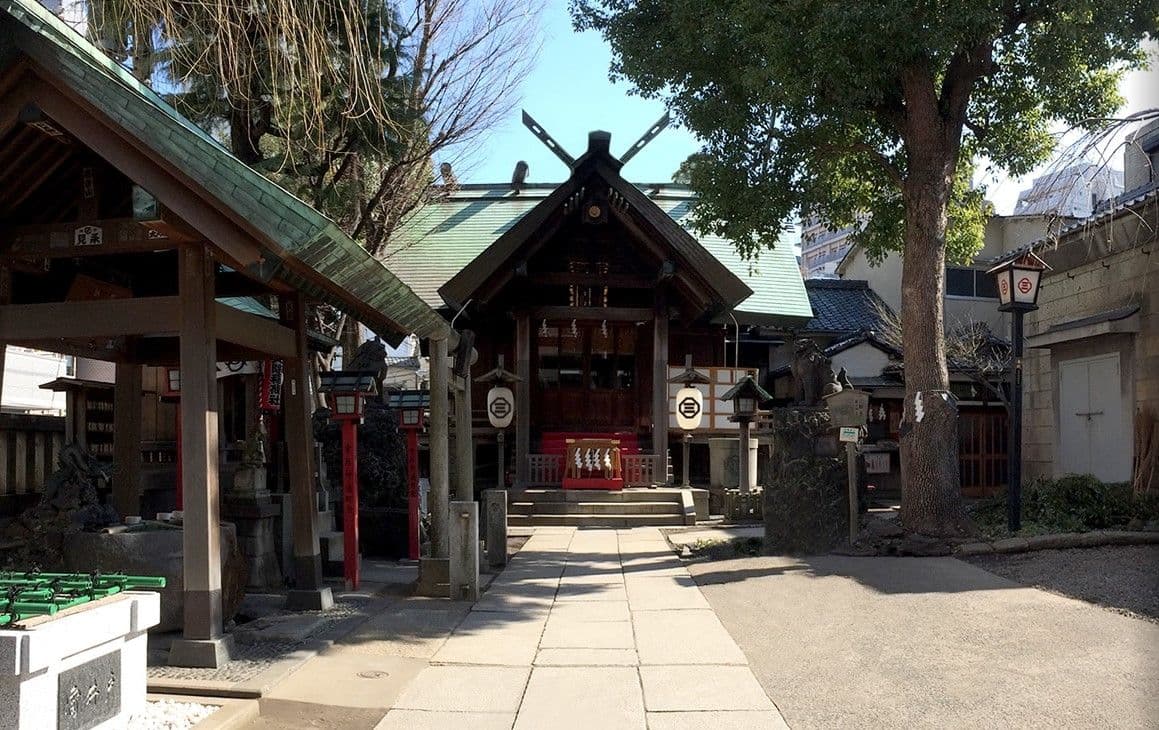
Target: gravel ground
842, 642
1124, 579
166, 715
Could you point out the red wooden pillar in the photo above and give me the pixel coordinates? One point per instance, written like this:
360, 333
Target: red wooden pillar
350, 502
412, 491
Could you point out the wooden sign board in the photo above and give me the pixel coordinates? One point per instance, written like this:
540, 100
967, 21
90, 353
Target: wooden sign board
848, 408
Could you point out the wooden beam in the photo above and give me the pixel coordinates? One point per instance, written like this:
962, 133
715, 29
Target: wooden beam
522, 396
15, 94
33, 184
201, 544
307, 568
660, 378
5, 297
612, 314
438, 499
237, 284
257, 333
488, 289
618, 281
163, 178
685, 277
95, 318
85, 238
90, 348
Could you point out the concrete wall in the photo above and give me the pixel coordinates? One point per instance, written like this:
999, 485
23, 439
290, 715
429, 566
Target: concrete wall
1003, 234
862, 360
25, 370
1138, 165
1079, 287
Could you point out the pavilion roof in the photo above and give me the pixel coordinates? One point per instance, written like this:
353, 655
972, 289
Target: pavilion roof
447, 234
300, 245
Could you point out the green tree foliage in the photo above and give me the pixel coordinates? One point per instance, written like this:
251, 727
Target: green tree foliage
346, 103
882, 108
800, 103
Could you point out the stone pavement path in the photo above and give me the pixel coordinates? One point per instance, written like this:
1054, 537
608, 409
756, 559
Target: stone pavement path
588, 629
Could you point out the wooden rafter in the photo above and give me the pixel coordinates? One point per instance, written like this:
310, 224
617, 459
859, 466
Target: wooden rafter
71, 240
162, 178
12, 195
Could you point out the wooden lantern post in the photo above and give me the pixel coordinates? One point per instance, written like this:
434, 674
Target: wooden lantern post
689, 408
500, 411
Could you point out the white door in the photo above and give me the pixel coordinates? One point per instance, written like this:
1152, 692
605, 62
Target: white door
1093, 434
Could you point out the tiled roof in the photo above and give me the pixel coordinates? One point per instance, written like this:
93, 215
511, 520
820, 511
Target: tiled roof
446, 235
843, 306
305, 248
844, 343
856, 339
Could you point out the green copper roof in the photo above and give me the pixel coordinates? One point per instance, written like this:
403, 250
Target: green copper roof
300, 241
444, 236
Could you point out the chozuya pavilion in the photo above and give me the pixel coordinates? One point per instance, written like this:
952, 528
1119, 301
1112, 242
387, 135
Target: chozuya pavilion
125, 228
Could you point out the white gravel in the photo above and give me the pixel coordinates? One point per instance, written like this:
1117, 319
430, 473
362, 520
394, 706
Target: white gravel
167, 715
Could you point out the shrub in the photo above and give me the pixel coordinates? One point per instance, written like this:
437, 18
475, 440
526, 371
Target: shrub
1073, 503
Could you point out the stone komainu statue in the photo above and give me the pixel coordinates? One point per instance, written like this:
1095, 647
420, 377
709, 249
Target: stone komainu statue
812, 373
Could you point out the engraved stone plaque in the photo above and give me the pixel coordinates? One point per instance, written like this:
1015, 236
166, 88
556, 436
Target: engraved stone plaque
90, 693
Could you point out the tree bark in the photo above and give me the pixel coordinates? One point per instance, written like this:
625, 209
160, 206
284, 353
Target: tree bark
931, 489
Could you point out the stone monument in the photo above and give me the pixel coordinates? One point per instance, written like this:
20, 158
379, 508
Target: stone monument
248, 505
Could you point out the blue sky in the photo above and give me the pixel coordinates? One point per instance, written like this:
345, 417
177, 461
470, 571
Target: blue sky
569, 94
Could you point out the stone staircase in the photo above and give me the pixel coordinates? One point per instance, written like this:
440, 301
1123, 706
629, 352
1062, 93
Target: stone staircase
642, 507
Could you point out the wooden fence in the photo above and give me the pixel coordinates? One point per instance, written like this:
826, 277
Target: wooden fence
639, 470
30, 447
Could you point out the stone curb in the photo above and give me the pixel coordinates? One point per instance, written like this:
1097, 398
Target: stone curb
1095, 538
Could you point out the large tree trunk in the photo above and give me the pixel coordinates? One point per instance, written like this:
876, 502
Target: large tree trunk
931, 491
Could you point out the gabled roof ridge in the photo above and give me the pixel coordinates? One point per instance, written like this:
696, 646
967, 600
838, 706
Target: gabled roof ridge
853, 284
728, 289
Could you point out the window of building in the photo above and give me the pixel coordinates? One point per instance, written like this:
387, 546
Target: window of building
972, 283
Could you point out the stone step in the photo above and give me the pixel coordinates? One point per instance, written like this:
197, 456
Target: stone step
574, 520
595, 508
593, 495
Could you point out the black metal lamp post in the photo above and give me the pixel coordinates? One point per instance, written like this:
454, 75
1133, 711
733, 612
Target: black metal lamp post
689, 406
1018, 281
746, 397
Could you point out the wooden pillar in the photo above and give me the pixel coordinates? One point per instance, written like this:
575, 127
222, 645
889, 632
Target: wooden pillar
522, 396
5, 298
127, 439
660, 381
309, 593
440, 448
464, 442
201, 644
